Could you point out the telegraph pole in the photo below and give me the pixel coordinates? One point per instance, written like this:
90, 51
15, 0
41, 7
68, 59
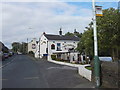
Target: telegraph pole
96, 58
27, 47
39, 47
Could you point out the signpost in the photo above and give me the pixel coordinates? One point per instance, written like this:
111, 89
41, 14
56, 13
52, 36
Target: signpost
97, 11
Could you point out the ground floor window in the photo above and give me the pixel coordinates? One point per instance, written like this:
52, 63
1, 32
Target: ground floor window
52, 46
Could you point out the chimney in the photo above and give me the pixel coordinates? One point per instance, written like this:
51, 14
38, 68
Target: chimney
60, 32
44, 33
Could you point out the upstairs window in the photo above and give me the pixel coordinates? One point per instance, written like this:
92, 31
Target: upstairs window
33, 46
52, 46
58, 47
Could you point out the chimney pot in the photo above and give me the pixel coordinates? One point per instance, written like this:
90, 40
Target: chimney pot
60, 32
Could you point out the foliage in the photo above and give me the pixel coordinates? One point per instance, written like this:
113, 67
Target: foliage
31, 53
53, 57
19, 47
74, 34
88, 67
69, 34
108, 33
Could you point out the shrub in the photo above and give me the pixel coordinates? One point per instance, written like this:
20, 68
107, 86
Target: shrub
88, 67
31, 53
57, 59
53, 57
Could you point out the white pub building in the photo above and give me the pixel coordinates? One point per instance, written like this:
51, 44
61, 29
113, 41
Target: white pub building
62, 46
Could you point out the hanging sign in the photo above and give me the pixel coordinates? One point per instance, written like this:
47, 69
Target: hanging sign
98, 10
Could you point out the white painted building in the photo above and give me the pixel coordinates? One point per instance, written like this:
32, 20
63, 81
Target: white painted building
60, 45
33, 45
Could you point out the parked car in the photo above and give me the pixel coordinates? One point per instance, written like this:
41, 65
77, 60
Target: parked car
10, 54
6, 55
2, 58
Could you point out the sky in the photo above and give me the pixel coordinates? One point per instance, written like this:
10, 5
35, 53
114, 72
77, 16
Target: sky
22, 20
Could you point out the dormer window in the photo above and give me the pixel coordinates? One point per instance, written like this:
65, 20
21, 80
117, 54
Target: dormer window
52, 46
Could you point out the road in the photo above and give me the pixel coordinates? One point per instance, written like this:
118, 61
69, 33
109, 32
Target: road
25, 72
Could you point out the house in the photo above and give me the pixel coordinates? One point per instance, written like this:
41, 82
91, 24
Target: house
60, 45
33, 46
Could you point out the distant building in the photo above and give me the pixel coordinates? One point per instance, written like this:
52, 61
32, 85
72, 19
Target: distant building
3, 48
32, 46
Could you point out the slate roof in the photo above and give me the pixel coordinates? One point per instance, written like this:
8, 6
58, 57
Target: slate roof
63, 37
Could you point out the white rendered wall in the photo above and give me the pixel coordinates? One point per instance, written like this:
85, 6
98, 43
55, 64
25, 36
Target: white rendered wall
43, 45
62, 42
30, 46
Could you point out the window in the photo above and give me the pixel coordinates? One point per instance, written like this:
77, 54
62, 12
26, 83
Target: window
52, 46
58, 47
33, 46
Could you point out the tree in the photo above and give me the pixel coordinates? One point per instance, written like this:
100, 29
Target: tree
19, 47
16, 46
74, 34
86, 42
69, 34
108, 35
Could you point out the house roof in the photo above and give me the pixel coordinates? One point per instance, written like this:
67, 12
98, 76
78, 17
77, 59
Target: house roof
63, 37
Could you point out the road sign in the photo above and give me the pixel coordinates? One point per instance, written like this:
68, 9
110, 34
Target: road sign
98, 10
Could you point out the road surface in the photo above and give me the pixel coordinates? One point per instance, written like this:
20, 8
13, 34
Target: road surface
22, 71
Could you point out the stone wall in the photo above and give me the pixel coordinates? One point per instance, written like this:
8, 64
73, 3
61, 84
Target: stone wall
109, 74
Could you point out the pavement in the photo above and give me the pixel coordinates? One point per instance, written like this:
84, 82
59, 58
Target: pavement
26, 72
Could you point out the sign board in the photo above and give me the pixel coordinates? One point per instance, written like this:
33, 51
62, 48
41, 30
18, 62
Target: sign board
105, 58
98, 10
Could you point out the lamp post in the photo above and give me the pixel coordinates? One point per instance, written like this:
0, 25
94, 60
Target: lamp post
96, 58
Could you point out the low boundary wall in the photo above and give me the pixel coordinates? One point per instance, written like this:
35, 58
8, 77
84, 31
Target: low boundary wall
81, 68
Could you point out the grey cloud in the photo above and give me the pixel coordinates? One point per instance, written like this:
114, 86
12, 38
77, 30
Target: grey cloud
18, 19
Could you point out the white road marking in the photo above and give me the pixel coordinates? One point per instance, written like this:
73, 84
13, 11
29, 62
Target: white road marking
31, 78
3, 79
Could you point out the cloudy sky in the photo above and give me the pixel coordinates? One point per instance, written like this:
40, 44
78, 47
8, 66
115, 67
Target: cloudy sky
22, 20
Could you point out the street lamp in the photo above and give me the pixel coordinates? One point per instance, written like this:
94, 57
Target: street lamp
96, 58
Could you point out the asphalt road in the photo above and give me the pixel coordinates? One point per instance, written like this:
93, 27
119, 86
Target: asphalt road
25, 72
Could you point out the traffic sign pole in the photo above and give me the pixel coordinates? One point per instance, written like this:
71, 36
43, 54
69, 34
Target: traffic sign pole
96, 58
